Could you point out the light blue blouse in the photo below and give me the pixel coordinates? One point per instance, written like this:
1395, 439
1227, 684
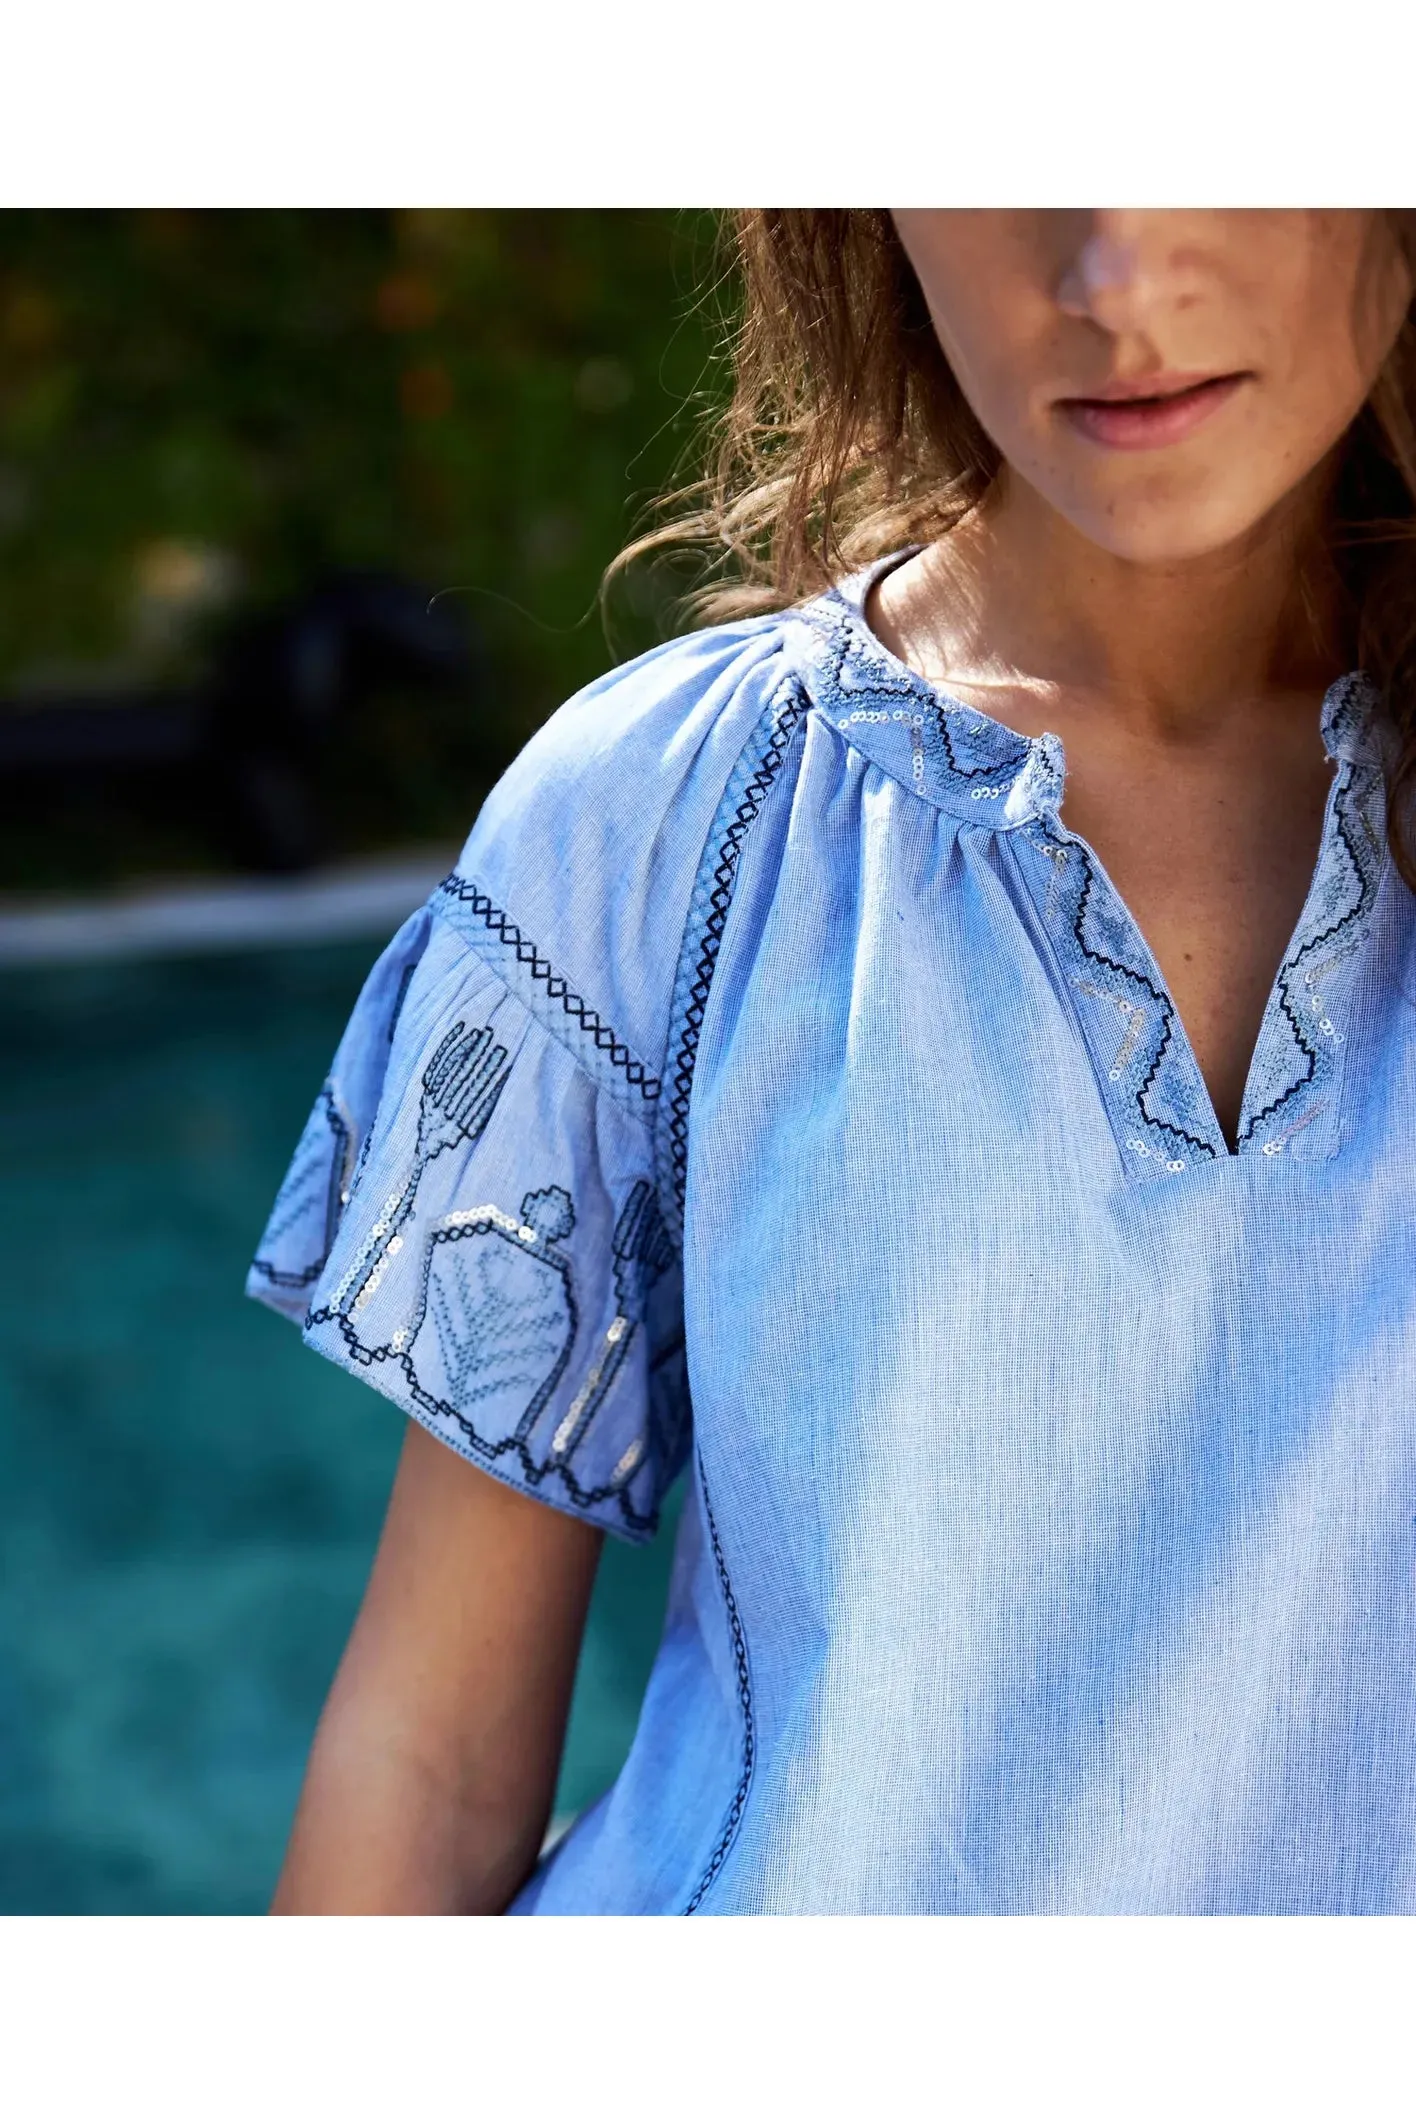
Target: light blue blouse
778, 1085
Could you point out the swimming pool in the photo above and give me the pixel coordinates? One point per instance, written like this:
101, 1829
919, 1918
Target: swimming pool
188, 1500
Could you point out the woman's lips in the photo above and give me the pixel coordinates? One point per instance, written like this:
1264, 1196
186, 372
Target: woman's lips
1166, 415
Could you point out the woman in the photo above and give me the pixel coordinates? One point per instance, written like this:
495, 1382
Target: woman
1007, 1159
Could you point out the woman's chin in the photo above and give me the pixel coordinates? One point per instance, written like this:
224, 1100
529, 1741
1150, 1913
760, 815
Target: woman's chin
1154, 534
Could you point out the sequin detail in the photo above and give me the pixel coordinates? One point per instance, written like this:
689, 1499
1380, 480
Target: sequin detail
1298, 1058
976, 767
1162, 1104
939, 747
460, 1088
496, 1318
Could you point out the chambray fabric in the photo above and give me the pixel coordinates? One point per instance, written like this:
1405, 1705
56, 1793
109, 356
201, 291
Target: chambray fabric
780, 1089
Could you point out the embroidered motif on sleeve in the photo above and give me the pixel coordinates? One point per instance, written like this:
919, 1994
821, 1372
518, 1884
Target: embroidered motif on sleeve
642, 1251
461, 1086
311, 1197
496, 1319
502, 1308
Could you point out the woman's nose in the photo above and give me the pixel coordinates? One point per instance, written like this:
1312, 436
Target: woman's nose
1116, 275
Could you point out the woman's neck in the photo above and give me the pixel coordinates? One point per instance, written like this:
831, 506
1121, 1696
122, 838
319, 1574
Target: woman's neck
1017, 606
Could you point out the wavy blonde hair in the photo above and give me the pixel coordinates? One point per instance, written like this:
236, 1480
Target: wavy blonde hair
845, 436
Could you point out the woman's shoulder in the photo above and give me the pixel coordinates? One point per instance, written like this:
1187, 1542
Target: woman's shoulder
481, 1216
639, 745
578, 875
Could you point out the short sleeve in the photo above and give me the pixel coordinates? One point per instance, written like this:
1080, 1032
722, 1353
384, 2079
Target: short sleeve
477, 1219
470, 1224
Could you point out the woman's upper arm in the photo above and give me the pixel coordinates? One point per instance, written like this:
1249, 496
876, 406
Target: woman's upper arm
481, 1222
471, 1626
434, 1768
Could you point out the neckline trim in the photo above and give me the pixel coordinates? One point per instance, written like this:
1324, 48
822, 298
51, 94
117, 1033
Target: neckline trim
961, 758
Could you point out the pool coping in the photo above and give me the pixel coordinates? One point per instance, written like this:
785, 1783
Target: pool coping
361, 899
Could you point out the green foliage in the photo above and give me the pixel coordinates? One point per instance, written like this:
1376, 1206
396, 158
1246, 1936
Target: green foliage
201, 410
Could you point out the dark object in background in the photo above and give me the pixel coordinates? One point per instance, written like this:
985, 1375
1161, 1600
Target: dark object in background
288, 687
244, 762
209, 411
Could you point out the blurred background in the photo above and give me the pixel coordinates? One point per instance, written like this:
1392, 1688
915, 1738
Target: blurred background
302, 520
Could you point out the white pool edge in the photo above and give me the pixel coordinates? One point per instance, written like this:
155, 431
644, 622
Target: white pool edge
366, 899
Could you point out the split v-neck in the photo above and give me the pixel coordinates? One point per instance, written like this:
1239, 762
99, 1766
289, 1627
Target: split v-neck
965, 761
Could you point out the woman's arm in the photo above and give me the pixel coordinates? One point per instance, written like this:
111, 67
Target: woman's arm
434, 1764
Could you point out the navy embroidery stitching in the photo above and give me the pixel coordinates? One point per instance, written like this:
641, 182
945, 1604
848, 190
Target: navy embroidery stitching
1197, 1144
320, 1166
604, 1037
725, 846
742, 801
360, 1163
461, 1086
404, 983
499, 1295
842, 634
1344, 890
1337, 939
737, 1636
1007, 767
502, 1307
641, 1251
495, 1294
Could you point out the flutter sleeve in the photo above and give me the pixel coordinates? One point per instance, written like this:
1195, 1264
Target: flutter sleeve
470, 1223
474, 1220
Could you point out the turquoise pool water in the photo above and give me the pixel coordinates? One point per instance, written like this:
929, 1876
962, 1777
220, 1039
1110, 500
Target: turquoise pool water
188, 1500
